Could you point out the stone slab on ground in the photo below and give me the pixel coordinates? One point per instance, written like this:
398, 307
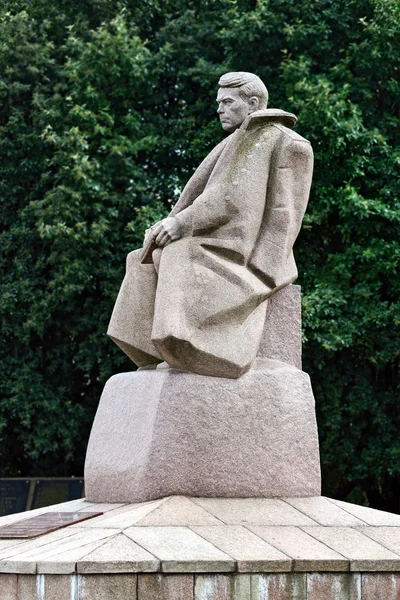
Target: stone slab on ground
251, 553
364, 553
255, 552
181, 550
307, 553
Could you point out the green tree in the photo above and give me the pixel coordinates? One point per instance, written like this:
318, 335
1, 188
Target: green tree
106, 111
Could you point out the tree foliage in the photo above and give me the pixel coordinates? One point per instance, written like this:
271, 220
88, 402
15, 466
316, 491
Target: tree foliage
106, 109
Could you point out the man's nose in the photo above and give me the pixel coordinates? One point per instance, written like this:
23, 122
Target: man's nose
220, 108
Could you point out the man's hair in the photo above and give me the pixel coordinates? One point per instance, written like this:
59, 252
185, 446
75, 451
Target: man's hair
249, 85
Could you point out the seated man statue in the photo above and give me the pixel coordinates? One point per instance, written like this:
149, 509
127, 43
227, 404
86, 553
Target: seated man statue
196, 296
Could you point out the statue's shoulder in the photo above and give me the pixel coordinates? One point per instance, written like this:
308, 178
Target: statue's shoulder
280, 120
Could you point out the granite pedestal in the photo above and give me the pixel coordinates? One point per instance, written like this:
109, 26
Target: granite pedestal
164, 432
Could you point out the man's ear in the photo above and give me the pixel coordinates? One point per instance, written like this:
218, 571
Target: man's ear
254, 104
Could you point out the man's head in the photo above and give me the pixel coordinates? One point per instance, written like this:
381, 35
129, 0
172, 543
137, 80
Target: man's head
239, 95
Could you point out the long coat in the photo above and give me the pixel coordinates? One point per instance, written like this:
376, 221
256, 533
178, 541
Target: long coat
239, 214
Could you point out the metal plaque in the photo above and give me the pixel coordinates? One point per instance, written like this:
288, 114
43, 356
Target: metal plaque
44, 523
13, 495
56, 491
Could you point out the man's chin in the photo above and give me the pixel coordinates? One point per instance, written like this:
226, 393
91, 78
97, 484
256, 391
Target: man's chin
227, 127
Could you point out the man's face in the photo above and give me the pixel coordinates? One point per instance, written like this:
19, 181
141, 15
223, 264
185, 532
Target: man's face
232, 109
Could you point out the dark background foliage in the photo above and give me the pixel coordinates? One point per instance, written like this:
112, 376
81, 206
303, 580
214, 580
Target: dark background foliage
106, 109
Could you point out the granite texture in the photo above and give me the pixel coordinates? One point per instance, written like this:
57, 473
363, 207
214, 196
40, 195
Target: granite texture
307, 553
165, 587
251, 553
158, 433
197, 296
105, 587
280, 586
198, 560
364, 553
281, 338
181, 550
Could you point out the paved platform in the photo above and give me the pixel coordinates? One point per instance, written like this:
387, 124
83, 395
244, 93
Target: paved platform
180, 548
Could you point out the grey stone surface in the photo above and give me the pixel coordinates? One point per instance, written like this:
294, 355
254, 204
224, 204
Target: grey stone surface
30, 544
107, 587
323, 512
254, 511
158, 433
11, 543
33, 543
181, 550
214, 587
321, 586
26, 561
165, 587
308, 554
225, 248
8, 587
59, 587
370, 516
242, 587
119, 555
123, 518
31, 587
281, 338
178, 511
282, 586
250, 552
65, 562
380, 586
364, 553
389, 537
253, 534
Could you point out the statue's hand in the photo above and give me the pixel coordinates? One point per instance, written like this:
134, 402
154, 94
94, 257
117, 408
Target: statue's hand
166, 231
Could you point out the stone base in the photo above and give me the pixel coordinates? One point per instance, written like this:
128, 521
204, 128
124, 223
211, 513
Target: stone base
228, 586
159, 433
181, 548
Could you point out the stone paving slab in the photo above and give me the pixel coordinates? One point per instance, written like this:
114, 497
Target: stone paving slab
370, 516
43, 540
98, 521
178, 511
324, 512
389, 537
364, 553
26, 562
308, 554
212, 535
250, 552
119, 555
180, 550
65, 562
122, 518
254, 511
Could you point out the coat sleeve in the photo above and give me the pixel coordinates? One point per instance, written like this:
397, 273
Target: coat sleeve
209, 211
236, 187
286, 202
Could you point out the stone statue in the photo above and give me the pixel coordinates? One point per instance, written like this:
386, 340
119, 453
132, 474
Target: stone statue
230, 413
225, 248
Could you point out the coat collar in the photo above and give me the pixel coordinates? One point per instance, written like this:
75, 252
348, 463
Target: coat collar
269, 115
